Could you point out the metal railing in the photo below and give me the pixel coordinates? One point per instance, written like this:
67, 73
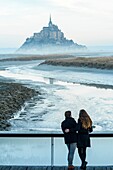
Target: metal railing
51, 136
12, 134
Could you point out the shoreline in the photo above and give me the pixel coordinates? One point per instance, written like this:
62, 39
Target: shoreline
13, 96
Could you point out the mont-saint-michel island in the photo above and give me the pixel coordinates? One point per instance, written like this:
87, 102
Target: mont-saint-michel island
49, 40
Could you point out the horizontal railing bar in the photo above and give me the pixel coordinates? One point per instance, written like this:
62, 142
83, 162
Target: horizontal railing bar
9, 134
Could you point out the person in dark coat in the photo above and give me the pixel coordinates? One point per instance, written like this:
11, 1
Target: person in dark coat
83, 142
70, 136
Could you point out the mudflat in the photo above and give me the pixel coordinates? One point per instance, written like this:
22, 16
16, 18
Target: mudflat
105, 62
12, 97
94, 62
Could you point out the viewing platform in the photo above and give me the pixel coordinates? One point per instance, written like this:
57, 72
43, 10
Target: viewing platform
53, 168
47, 151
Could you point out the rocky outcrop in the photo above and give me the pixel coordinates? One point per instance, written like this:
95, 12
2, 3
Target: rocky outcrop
49, 40
13, 96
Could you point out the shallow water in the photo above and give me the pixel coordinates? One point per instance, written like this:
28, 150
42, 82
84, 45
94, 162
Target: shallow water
60, 91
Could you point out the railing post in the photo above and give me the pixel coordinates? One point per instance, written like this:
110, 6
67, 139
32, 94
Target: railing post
52, 152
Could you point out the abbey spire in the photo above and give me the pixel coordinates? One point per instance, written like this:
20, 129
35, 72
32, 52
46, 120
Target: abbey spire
50, 22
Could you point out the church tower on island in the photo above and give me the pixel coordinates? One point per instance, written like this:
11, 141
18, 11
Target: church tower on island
52, 32
50, 38
50, 22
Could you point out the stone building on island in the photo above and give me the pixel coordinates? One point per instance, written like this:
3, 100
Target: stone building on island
49, 40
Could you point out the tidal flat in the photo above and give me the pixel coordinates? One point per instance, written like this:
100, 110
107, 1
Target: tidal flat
103, 62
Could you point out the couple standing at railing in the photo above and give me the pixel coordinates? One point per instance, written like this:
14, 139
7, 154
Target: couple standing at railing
76, 134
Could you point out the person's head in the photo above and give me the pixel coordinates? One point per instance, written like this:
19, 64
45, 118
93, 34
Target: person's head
68, 113
85, 119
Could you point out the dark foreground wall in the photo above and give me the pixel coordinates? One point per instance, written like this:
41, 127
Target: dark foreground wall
53, 168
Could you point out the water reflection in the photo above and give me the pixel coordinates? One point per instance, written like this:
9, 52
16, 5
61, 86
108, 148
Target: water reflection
49, 80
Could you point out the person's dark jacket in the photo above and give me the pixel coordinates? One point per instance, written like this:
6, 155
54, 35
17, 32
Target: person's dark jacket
71, 136
83, 136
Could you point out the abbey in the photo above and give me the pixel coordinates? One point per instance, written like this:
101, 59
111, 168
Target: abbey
50, 38
50, 34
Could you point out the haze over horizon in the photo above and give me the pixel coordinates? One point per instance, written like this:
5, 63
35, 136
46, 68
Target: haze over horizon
85, 22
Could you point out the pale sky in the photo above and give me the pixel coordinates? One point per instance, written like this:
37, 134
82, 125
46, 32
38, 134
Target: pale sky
87, 22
